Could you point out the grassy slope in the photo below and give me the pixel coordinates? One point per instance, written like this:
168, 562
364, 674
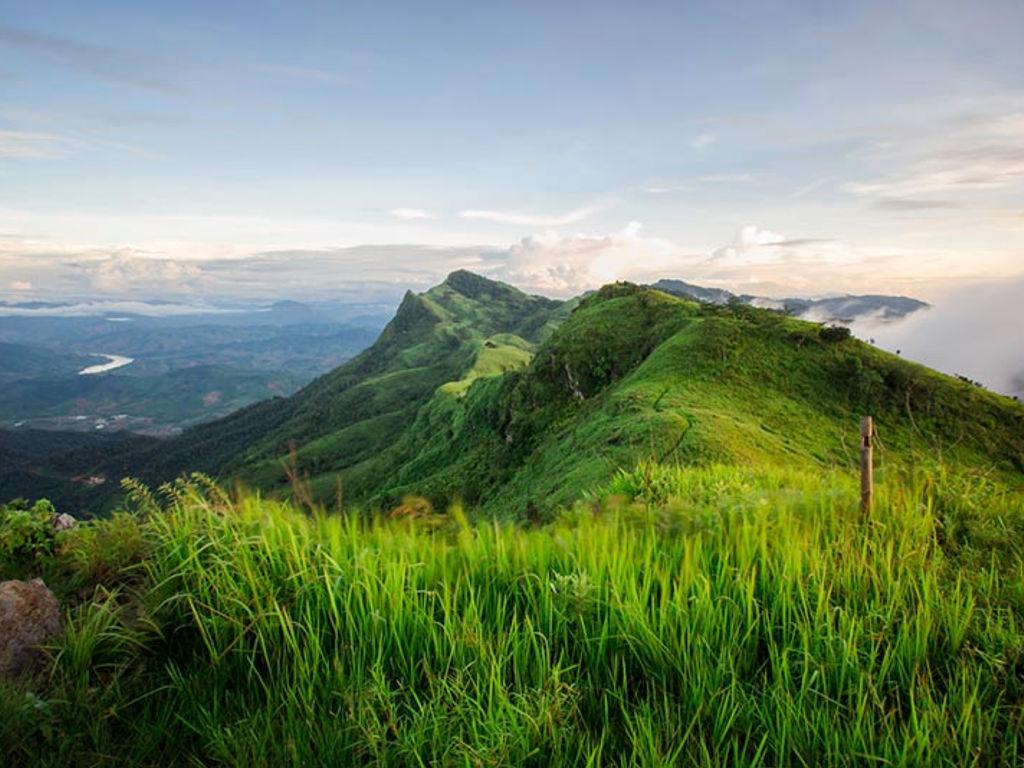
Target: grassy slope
345, 423
638, 374
716, 616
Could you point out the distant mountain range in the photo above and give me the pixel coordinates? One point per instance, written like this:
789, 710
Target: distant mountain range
838, 309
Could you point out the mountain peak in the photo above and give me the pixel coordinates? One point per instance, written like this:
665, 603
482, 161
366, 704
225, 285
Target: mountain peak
474, 286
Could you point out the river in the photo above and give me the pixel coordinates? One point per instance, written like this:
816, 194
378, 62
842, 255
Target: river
113, 362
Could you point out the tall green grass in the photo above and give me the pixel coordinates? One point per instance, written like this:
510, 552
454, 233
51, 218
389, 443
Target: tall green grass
717, 616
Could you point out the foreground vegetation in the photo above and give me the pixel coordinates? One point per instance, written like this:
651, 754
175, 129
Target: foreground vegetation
714, 616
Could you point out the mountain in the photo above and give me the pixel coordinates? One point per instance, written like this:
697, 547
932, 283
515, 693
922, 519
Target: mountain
473, 392
840, 309
465, 329
696, 292
519, 403
637, 374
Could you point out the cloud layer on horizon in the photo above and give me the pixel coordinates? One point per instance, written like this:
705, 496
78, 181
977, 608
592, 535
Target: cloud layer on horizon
757, 260
975, 331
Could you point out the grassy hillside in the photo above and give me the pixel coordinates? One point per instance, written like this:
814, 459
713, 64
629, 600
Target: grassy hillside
341, 425
708, 617
637, 374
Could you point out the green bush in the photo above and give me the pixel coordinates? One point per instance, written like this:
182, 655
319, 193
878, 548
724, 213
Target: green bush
27, 537
834, 333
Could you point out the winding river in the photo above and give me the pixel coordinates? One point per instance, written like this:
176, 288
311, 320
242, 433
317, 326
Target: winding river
113, 362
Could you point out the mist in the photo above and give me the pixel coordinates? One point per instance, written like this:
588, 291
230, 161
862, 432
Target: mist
976, 332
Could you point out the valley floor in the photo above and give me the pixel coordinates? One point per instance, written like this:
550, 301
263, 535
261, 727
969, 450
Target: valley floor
716, 616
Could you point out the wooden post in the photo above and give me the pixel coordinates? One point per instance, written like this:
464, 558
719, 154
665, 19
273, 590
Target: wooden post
867, 470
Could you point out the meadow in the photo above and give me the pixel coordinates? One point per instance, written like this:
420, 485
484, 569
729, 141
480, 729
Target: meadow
703, 616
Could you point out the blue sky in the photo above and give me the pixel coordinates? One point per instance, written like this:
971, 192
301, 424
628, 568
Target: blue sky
287, 148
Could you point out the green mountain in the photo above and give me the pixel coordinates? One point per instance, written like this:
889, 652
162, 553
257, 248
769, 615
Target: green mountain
636, 374
518, 404
346, 423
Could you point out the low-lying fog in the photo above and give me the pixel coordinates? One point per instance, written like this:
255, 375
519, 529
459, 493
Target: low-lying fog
976, 332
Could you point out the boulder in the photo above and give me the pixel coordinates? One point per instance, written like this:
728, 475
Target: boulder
29, 617
63, 522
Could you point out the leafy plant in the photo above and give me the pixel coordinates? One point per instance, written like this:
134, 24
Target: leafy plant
27, 537
834, 334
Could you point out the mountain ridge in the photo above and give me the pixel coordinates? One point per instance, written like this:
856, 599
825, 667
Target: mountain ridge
844, 308
519, 403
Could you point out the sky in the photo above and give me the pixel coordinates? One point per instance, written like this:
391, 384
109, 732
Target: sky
305, 149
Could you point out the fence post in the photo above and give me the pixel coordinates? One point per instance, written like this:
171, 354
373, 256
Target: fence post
867, 470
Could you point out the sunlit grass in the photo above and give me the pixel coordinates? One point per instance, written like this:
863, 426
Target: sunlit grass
718, 616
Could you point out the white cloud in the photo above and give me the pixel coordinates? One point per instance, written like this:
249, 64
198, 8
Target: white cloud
748, 246
21, 285
100, 308
411, 214
703, 141
531, 219
568, 265
975, 331
125, 271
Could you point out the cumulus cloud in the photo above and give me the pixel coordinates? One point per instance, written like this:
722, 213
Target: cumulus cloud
769, 263
567, 265
530, 219
124, 272
748, 241
975, 332
757, 260
21, 285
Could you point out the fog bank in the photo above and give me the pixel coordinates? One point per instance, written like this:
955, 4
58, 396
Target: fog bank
976, 332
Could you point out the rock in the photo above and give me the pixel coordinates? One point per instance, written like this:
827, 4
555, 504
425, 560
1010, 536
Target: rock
63, 522
29, 617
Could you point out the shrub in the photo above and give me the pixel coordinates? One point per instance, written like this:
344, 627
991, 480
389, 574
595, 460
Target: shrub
834, 333
26, 537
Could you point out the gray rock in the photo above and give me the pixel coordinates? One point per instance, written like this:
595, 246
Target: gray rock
29, 617
63, 522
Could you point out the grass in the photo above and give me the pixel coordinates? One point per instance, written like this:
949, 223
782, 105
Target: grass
707, 616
